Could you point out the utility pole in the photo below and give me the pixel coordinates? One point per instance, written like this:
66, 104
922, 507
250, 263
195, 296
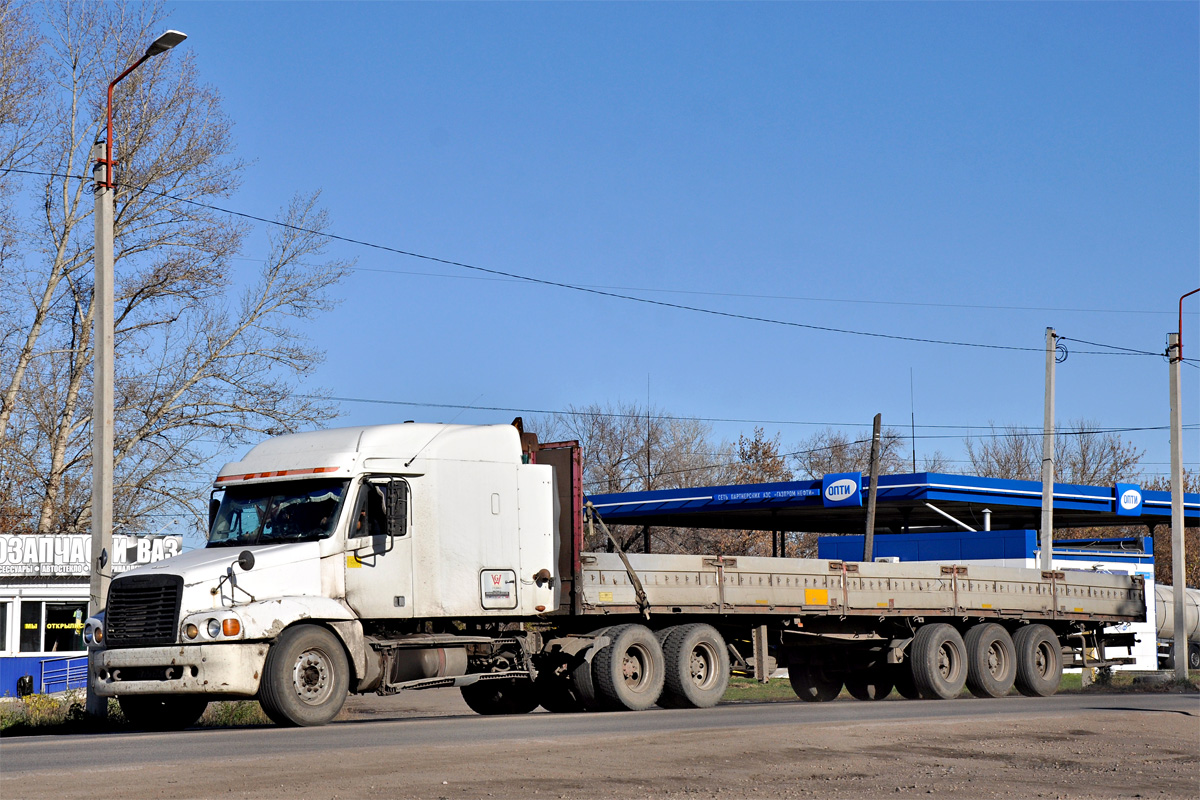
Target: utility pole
1047, 542
102, 399
1179, 647
869, 540
102, 369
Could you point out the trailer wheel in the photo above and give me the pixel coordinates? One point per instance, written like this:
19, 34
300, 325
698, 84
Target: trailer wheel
813, 683
697, 661
1193, 655
939, 661
501, 696
162, 712
629, 672
871, 683
991, 660
902, 677
1039, 661
305, 678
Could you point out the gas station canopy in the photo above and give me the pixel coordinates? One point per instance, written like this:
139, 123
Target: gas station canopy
924, 501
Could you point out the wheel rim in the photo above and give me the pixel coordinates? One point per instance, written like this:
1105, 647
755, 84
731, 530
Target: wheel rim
635, 668
1041, 660
947, 661
702, 666
997, 659
312, 677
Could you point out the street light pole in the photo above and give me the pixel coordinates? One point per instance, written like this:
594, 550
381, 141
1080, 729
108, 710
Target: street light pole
102, 367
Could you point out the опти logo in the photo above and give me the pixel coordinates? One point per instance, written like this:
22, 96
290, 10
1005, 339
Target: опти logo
841, 489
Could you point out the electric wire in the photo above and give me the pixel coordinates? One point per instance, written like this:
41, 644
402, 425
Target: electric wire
571, 286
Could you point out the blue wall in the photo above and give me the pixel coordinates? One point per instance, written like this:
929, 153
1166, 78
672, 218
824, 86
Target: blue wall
955, 546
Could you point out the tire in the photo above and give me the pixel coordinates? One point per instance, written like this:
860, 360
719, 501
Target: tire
814, 683
629, 672
162, 712
939, 661
1039, 661
991, 660
873, 683
902, 678
501, 696
697, 667
583, 685
305, 678
1193, 655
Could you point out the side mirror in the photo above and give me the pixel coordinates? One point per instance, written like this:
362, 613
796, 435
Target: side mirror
397, 510
245, 560
214, 505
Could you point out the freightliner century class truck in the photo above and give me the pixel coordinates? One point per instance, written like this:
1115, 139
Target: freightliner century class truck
413, 556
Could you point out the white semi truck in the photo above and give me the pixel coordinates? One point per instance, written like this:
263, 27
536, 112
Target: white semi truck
392, 557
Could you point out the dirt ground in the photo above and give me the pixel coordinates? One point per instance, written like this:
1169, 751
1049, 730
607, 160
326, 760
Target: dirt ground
1122, 753
1091, 755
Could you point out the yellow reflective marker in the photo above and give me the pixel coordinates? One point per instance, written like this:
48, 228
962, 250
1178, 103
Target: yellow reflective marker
353, 561
816, 597
606, 597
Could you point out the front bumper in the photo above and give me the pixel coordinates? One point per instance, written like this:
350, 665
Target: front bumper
231, 669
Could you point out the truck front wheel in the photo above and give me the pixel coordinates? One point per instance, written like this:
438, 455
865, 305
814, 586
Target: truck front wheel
305, 678
162, 712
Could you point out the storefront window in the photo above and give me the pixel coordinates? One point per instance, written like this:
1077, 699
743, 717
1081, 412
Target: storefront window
31, 627
64, 627
3, 627
52, 627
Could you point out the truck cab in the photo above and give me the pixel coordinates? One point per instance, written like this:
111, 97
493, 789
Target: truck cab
355, 535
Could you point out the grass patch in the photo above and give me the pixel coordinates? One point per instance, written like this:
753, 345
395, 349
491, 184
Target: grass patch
748, 690
65, 713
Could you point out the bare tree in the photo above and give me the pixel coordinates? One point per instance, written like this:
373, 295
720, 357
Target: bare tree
833, 451
625, 448
1084, 453
193, 363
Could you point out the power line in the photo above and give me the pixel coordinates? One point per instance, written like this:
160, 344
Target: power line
741, 295
571, 286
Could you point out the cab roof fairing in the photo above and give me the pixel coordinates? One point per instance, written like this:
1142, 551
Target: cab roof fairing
341, 452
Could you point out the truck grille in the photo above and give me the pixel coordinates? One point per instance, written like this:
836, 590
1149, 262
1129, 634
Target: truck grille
142, 610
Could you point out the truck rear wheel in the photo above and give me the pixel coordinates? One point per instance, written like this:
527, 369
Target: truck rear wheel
939, 661
1193, 655
582, 683
162, 712
1039, 661
305, 678
871, 683
501, 696
991, 660
697, 667
629, 672
814, 683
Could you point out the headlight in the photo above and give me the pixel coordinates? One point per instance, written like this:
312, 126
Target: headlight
93, 632
213, 626
191, 631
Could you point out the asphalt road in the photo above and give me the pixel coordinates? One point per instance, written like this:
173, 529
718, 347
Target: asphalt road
167, 764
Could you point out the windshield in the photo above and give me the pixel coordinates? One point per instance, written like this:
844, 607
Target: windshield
292, 511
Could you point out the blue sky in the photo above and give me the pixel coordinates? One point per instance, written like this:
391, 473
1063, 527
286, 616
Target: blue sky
960, 171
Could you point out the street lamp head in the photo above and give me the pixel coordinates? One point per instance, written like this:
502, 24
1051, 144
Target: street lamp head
165, 42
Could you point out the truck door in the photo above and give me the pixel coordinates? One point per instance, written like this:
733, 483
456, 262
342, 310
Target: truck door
379, 580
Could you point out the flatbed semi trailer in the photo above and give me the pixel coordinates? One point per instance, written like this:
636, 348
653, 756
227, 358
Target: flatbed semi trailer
402, 557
